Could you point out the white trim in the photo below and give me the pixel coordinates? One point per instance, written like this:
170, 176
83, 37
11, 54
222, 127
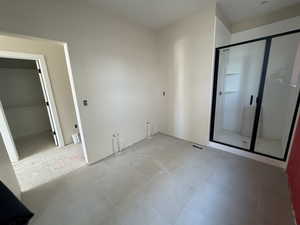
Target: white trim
48, 88
43, 65
7, 137
249, 155
76, 104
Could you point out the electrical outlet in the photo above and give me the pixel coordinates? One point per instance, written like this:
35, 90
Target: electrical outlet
148, 130
114, 144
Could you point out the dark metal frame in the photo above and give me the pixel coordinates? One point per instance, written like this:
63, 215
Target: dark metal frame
268, 40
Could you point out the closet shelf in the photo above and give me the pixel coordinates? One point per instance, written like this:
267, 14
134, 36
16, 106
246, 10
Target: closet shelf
7, 107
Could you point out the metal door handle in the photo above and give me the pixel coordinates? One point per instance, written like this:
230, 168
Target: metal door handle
251, 100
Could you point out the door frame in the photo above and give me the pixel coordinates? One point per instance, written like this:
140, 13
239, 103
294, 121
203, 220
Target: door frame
76, 101
268, 40
46, 98
46, 80
7, 137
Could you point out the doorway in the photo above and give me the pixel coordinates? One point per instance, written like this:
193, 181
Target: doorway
255, 94
29, 122
28, 108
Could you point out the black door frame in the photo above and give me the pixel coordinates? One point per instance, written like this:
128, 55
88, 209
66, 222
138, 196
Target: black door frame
264, 70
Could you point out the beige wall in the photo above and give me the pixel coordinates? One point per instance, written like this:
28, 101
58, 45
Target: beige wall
55, 60
7, 174
186, 50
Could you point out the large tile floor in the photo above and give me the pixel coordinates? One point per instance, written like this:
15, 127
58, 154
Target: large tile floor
41, 161
165, 181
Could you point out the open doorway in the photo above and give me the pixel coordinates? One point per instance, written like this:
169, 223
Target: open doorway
26, 107
38, 120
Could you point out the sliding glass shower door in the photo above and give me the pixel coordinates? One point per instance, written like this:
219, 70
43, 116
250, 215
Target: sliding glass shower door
237, 85
280, 96
256, 94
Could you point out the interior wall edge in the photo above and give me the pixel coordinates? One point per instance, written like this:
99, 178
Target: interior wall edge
292, 141
76, 102
223, 18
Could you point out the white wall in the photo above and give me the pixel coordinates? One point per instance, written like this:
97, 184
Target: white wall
7, 174
114, 64
22, 98
58, 75
186, 56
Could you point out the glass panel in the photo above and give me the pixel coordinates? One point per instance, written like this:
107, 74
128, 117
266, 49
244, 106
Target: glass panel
280, 96
237, 88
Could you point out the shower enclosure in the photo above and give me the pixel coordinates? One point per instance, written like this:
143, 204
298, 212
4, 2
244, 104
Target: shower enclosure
256, 94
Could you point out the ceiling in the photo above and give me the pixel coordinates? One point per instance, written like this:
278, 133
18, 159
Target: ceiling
158, 13
238, 10
152, 13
